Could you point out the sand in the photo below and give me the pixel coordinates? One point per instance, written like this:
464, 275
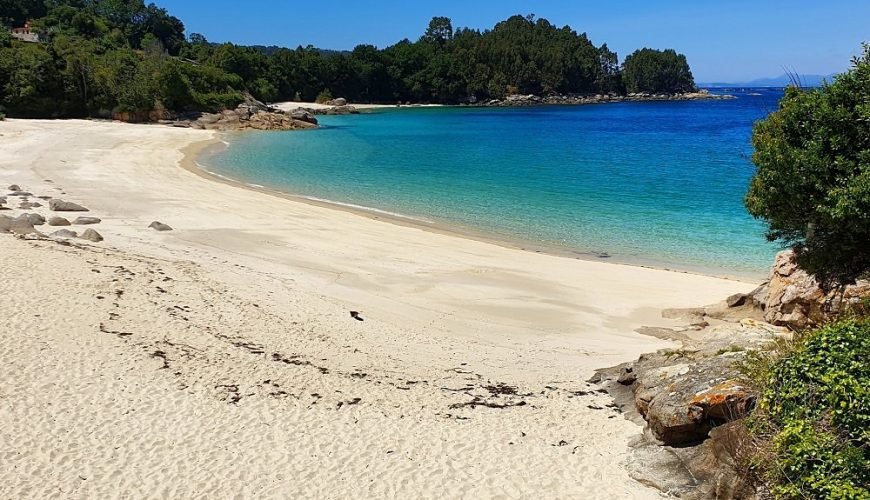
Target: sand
220, 359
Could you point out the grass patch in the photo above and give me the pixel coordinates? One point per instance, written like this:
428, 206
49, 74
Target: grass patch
730, 349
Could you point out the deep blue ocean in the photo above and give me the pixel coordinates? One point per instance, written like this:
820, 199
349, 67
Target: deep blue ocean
658, 183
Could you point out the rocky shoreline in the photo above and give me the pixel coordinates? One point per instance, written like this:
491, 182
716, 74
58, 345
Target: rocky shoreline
570, 99
691, 399
256, 115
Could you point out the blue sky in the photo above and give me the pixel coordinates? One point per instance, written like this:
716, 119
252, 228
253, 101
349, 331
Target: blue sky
724, 41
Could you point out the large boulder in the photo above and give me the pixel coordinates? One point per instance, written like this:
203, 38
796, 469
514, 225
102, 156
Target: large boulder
685, 393
342, 110
65, 206
795, 299
303, 115
255, 105
210, 118
20, 225
703, 472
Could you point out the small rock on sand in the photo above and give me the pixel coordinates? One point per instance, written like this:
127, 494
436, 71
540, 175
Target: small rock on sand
5, 223
33, 219
65, 206
91, 235
15, 187
64, 233
58, 221
84, 221
20, 225
159, 226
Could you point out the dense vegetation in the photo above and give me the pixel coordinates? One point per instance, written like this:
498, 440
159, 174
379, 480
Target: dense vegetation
99, 57
811, 429
812, 184
649, 70
813, 418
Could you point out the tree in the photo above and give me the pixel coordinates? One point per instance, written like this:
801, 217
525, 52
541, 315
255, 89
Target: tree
656, 71
440, 30
812, 179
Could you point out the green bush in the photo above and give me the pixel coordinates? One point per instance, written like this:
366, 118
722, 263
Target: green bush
812, 423
812, 182
324, 96
216, 101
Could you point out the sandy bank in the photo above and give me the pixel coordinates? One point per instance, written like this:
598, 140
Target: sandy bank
229, 363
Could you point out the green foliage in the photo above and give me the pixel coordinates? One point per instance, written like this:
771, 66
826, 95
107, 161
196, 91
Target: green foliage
105, 56
5, 38
656, 71
324, 96
812, 183
813, 415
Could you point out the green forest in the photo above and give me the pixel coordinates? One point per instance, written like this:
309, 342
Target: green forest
105, 57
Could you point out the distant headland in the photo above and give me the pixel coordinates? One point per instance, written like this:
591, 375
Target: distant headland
135, 62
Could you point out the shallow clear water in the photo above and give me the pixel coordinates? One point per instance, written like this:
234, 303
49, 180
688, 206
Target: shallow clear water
654, 183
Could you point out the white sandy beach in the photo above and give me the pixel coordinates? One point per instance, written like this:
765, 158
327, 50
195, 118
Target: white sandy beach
220, 359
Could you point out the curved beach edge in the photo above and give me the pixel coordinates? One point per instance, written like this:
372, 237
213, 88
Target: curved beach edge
267, 347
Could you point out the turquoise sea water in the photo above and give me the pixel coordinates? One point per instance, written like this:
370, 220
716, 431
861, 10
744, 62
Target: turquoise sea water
659, 184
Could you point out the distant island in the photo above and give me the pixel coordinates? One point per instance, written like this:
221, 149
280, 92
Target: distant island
132, 61
783, 80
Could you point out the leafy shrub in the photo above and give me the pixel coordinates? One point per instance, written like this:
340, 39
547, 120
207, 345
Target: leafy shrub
216, 101
812, 423
323, 96
812, 183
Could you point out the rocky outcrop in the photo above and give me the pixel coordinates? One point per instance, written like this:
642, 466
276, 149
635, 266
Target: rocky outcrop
794, 299
65, 206
249, 115
304, 115
341, 110
702, 472
688, 397
534, 100
684, 393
